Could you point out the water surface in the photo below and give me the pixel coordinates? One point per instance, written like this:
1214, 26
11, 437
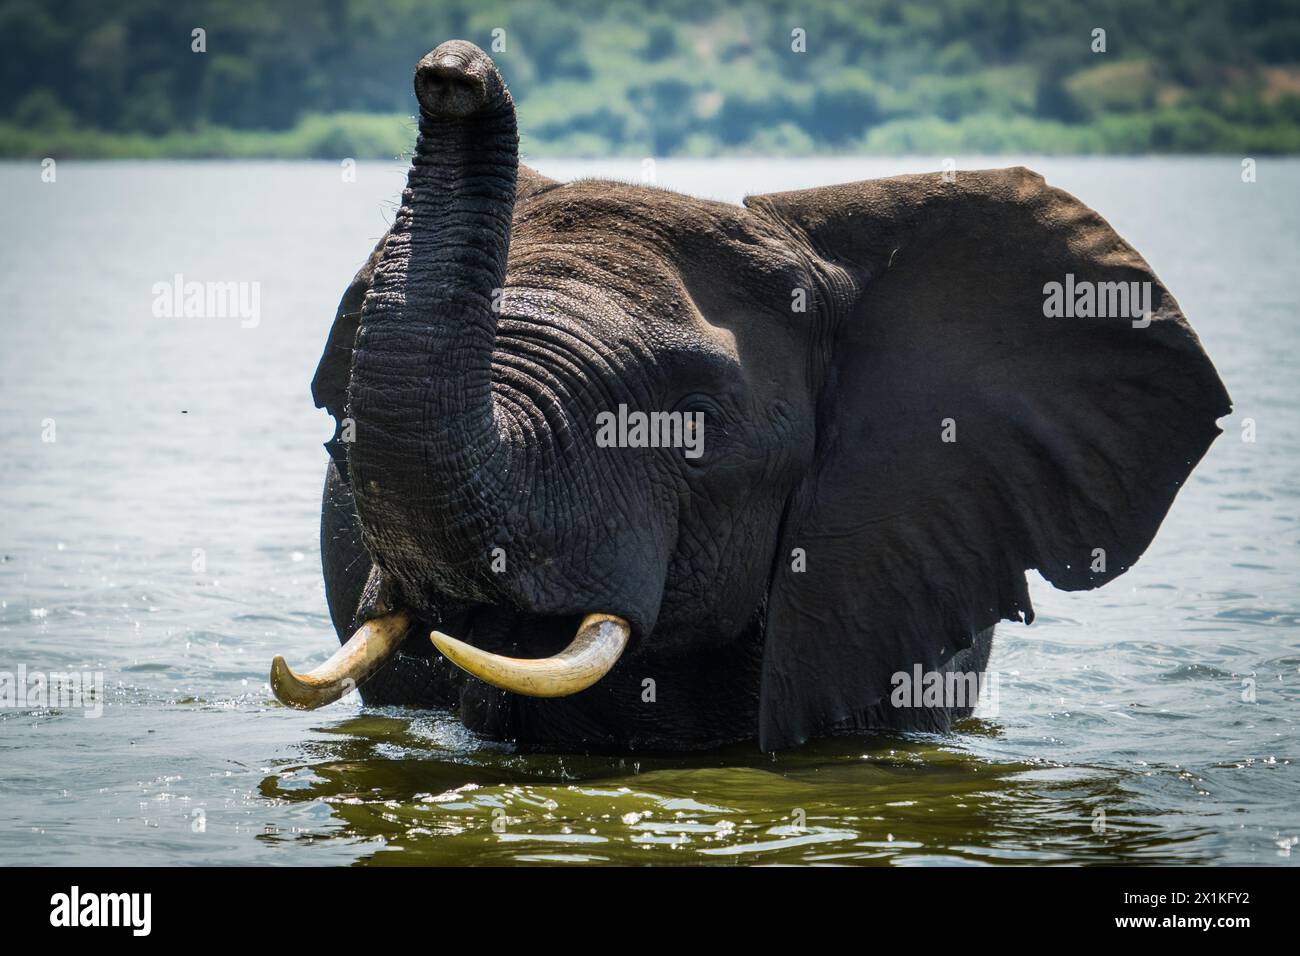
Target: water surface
167, 538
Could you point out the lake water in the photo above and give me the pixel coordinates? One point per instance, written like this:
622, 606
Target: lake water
167, 537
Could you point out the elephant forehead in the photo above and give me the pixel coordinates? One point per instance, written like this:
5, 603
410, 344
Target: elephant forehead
651, 232
609, 206
671, 263
665, 330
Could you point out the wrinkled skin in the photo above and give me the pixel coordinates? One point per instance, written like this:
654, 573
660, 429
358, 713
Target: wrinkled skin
828, 537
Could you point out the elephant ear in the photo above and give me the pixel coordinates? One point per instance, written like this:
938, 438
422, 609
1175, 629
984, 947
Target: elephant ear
964, 435
329, 386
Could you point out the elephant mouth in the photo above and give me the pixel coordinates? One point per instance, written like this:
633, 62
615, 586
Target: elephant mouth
563, 654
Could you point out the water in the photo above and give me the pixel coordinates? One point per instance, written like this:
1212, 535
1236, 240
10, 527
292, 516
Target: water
168, 538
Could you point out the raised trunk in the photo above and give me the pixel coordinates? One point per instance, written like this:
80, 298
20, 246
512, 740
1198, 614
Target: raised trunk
429, 463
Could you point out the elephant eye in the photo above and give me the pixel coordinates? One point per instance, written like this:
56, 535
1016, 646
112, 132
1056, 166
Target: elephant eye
698, 402
701, 408
703, 423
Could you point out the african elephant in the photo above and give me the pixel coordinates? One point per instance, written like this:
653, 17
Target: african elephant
892, 421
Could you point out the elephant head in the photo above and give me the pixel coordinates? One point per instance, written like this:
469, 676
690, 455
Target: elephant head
850, 419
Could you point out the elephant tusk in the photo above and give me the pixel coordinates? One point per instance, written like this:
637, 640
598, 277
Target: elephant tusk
596, 648
354, 662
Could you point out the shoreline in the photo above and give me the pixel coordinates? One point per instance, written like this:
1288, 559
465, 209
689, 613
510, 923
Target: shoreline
376, 136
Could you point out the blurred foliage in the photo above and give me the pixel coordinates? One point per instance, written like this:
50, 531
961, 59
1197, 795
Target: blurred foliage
638, 77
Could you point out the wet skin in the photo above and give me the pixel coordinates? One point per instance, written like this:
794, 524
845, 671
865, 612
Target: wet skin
894, 433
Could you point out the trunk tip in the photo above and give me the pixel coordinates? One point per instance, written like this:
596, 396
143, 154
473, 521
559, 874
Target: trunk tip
458, 80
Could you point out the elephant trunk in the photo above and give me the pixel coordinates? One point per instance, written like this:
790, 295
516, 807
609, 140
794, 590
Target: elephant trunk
429, 465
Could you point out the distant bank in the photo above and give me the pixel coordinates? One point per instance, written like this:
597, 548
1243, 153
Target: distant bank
385, 136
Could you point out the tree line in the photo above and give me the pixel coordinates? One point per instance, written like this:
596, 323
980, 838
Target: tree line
658, 77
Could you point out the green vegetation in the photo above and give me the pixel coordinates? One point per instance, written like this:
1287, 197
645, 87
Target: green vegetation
678, 77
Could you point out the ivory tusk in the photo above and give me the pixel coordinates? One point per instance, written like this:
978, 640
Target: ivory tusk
600, 640
363, 654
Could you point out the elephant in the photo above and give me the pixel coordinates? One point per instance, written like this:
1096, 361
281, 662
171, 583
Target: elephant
897, 413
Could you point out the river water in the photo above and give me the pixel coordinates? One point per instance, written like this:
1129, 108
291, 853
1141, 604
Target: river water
159, 494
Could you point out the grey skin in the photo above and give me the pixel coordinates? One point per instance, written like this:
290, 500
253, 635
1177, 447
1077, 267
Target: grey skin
829, 537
